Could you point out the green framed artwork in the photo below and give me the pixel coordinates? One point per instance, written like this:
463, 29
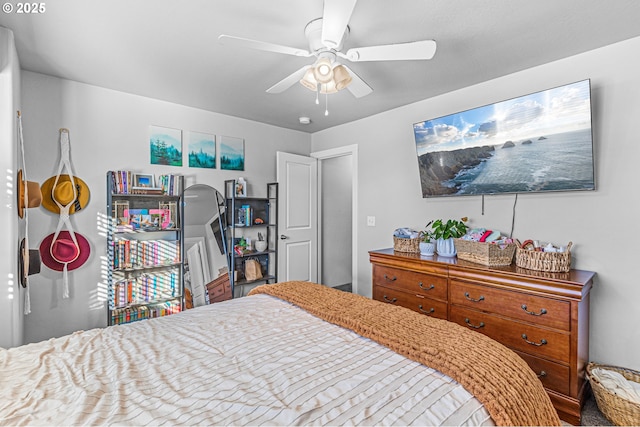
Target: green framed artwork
231, 153
165, 146
202, 150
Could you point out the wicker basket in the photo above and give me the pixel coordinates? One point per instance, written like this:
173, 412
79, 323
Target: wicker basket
544, 261
485, 253
618, 410
406, 245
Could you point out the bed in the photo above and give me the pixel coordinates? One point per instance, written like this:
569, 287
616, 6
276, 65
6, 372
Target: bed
293, 353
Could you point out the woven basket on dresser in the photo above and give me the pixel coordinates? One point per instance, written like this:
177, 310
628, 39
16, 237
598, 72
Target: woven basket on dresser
618, 410
406, 245
484, 253
544, 261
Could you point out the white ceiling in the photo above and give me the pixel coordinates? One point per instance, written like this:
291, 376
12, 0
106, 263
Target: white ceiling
168, 49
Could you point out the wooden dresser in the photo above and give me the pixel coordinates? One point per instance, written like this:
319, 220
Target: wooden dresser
219, 289
544, 317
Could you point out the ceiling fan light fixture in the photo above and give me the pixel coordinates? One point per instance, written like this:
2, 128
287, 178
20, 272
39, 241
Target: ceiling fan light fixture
328, 88
322, 70
309, 81
341, 77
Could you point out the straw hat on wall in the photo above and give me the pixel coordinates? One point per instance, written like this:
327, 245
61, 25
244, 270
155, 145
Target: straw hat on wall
63, 193
29, 194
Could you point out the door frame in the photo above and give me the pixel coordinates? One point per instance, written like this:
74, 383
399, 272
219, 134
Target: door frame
347, 150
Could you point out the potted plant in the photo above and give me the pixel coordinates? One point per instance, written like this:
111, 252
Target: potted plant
261, 244
445, 232
427, 241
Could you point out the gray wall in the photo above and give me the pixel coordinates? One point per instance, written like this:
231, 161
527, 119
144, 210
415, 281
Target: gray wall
600, 223
12, 294
109, 130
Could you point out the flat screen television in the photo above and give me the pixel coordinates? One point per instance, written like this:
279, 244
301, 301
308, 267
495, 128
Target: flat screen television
533, 143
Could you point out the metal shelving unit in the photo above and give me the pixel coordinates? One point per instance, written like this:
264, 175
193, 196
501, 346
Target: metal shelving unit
145, 266
246, 217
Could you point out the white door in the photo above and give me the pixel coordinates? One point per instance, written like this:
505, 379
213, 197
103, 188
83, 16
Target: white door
297, 217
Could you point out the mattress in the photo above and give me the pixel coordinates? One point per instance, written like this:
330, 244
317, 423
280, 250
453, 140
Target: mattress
249, 361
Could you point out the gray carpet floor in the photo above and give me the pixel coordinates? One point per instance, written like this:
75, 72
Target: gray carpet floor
591, 415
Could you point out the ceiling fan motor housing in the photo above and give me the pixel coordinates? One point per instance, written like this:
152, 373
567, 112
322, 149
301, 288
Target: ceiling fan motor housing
313, 33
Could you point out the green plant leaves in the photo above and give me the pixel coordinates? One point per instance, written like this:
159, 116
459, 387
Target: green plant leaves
452, 228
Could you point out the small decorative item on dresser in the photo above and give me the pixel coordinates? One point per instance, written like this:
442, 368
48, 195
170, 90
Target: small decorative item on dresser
621, 407
406, 240
485, 253
445, 232
549, 258
486, 247
427, 242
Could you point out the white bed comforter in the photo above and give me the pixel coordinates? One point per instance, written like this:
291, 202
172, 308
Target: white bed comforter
249, 361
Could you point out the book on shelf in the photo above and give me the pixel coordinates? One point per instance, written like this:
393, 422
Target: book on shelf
131, 314
123, 182
145, 253
170, 184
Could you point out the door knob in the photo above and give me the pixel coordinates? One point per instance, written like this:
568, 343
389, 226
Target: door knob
283, 237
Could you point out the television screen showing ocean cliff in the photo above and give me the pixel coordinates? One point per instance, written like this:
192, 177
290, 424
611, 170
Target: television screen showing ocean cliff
537, 142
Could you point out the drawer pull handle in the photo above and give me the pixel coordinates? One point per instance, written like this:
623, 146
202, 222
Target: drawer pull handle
466, 295
391, 279
481, 325
426, 289
542, 311
542, 374
392, 301
431, 310
542, 341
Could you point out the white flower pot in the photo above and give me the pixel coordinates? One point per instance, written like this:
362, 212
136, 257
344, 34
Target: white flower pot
261, 245
427, 248
446, 247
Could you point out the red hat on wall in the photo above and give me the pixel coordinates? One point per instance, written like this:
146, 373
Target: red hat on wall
64, 251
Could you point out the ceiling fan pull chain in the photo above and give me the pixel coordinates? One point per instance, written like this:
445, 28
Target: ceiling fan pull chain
326, 102
318, 94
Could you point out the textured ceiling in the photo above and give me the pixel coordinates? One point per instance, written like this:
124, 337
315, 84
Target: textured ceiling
168, 49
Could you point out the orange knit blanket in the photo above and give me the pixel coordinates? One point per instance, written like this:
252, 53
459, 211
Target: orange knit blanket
495, 375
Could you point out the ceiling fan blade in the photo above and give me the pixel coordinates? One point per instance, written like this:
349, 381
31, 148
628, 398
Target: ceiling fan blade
335, 19
259, 45
358, 87
424, 49
288, 81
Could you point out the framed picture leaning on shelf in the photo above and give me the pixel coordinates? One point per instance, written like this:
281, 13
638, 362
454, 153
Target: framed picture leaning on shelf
143, 180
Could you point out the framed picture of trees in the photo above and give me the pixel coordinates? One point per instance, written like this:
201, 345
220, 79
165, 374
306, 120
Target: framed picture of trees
165, 145
231, 153
202, 150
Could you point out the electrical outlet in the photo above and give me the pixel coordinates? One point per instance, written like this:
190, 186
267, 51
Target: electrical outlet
371, 221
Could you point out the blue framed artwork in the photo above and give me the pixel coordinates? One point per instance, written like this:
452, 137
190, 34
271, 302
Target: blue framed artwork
202, 150
231, 153
165, 146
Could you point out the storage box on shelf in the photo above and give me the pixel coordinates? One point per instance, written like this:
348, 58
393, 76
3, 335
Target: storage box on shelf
145, 253
402, 244
485, 253
544, 261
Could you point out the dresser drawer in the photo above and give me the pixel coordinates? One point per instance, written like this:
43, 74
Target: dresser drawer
415, 302
528, 308
553, 376
516, 335
422, 283
219, 290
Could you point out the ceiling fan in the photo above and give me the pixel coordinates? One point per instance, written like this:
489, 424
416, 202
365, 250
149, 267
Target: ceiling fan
326, 36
